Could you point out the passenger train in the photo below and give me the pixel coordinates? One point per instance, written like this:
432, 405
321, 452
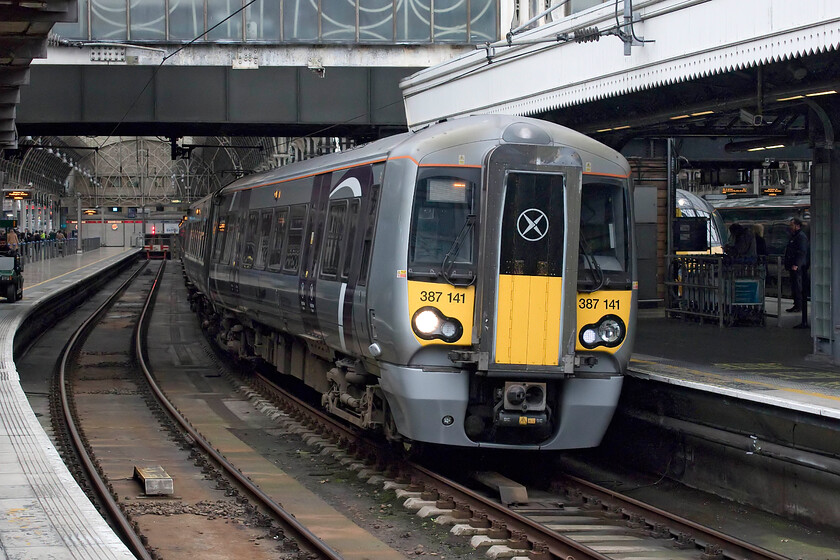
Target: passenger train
470, 284
772, 213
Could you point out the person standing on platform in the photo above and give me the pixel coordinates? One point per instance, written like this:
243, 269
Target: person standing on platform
760, 242
741, 246
12, 240
796, 263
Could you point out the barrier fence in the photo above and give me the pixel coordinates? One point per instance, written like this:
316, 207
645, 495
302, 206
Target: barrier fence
44, 249
713, 287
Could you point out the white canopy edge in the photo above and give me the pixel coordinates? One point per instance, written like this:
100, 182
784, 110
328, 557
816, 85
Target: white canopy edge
692, 39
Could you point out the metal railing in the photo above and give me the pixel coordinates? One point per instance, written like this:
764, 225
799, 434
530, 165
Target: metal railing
716, 288
39, 250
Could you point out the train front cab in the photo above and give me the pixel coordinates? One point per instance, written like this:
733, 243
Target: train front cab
529, 377
157, 245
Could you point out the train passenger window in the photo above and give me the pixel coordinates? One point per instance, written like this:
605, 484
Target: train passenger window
231, 240
333, 238
370, 229
297, 228
441, 227
275, 257
250, 253
221, 233
192, 235
266, 220
202, 235
351, 237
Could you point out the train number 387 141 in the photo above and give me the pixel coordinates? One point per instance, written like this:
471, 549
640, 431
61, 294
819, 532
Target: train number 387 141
440, 296
597, 303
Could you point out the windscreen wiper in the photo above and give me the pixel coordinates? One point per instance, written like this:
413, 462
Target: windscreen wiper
598, 277
452, 254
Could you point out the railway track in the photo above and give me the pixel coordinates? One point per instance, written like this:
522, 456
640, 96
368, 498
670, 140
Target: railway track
576, 520
122, 437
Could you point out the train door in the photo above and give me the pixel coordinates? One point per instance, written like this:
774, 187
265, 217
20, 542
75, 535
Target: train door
264, 281
219, 237
341, 257
529, 252
224, 281
235, 256
247, 278
309, 256
360, 267
238, 241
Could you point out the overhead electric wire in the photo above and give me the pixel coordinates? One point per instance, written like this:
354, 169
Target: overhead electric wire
159, 66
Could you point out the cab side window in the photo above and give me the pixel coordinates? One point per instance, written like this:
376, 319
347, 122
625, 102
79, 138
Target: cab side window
333, 239
350, 244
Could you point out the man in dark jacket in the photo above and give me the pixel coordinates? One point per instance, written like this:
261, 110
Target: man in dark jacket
796, 262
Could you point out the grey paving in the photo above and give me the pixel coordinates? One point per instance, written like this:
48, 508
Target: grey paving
43, 512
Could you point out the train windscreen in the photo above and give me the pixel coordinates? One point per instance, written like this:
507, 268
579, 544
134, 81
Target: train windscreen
604, 236
442, 235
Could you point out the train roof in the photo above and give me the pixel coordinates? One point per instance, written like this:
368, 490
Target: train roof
438, 137
786, 201
686, 199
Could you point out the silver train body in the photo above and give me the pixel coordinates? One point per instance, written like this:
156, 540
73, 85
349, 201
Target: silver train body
469, 284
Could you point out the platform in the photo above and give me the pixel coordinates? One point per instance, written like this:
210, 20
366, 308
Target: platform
773, 364
43, 512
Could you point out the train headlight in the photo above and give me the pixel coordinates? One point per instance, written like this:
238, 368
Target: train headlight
609, 331
429, 323
426, 322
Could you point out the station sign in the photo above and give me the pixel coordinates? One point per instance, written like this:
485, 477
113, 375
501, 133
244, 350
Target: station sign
89, 212
733, 190
18, 195
772, 191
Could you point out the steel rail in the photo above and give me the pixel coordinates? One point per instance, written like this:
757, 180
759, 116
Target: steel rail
230, 469
557, 545
113, 509
732, 547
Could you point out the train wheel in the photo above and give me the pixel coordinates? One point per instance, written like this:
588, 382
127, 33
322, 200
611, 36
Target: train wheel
416, 449
390, 427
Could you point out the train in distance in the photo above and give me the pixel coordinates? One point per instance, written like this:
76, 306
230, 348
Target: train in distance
469, 284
